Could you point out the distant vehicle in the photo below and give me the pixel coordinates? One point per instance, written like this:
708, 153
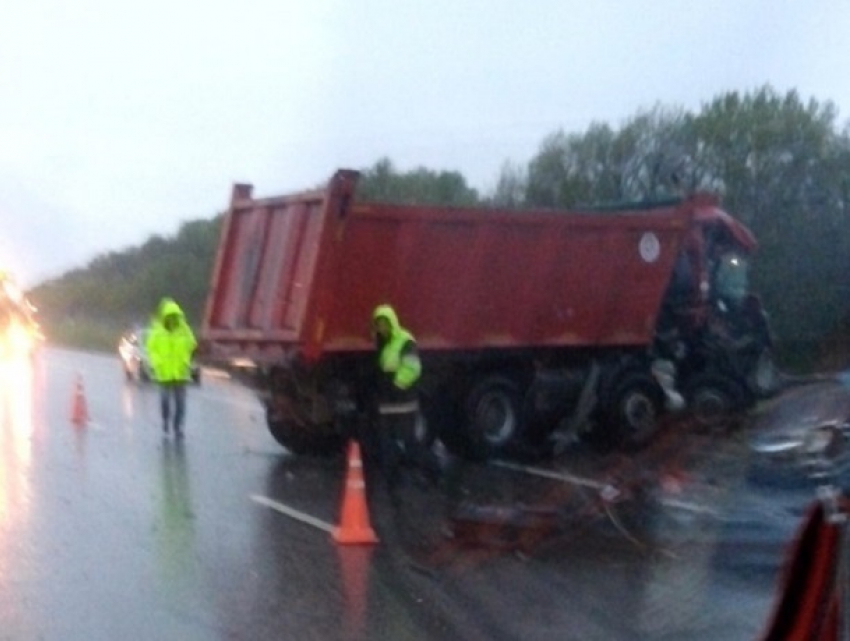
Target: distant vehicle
532, 326
134, 357
20, 333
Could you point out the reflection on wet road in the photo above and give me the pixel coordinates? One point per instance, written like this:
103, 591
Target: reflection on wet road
111, 530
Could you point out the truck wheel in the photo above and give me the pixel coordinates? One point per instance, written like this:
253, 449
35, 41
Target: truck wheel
712, 399
304, 442
629, 418
493, 417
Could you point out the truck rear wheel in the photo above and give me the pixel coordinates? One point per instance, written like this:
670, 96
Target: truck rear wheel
493, 419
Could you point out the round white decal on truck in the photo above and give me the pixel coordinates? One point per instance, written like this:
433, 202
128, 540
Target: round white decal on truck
649, 247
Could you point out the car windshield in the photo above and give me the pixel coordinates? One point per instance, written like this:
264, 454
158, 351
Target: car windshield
731, 277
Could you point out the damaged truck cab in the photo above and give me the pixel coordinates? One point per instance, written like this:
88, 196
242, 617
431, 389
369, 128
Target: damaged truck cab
711, 325
533, 327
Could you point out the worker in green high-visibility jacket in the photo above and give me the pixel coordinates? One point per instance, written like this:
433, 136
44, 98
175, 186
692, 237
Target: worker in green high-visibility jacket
170, 345
399, 413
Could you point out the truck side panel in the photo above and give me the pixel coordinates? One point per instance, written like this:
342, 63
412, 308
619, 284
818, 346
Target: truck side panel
304, 273
467, 280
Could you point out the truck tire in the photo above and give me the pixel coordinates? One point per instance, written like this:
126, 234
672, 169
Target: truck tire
630, 414
713, 399
493, 417
305, 442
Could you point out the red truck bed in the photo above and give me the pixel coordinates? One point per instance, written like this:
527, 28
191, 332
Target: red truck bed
303, 273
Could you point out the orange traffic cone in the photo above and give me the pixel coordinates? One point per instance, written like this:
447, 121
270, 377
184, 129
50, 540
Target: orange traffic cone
79, 410
354, 526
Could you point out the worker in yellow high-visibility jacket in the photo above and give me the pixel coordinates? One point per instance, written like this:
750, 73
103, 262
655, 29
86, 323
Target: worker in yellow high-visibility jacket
170, 345
399, 371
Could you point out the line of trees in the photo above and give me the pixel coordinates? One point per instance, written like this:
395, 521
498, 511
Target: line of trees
780, 164
91, 306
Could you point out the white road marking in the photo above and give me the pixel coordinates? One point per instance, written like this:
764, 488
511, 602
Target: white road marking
689, 506
608, 491
295, 514
550, 474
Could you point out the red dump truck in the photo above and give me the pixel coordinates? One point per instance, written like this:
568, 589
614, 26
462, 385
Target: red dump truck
533, 326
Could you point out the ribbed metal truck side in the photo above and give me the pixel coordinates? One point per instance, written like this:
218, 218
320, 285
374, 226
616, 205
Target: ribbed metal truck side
530, 324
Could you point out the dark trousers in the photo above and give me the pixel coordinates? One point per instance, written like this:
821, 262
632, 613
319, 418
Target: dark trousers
396, 444
172, 393
400, 451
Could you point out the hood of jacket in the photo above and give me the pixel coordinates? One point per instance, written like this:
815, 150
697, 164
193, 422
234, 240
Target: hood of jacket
168, 307
388, 313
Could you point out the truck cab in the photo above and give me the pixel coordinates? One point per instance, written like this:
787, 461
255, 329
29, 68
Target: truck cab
712, 326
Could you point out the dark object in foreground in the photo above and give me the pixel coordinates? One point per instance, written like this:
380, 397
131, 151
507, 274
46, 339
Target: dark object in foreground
812, 604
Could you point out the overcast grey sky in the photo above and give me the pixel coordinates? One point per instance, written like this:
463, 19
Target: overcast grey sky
122, 119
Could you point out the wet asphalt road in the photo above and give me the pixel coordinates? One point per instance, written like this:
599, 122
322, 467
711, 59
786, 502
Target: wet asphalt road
111, 531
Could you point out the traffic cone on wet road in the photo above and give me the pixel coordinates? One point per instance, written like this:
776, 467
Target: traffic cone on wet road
354, 526
79, 409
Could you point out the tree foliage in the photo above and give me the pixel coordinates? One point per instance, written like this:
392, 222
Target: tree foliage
382, 183
117, 289
510, 188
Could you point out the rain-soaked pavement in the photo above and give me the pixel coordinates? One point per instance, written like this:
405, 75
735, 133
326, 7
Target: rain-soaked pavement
111, 531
